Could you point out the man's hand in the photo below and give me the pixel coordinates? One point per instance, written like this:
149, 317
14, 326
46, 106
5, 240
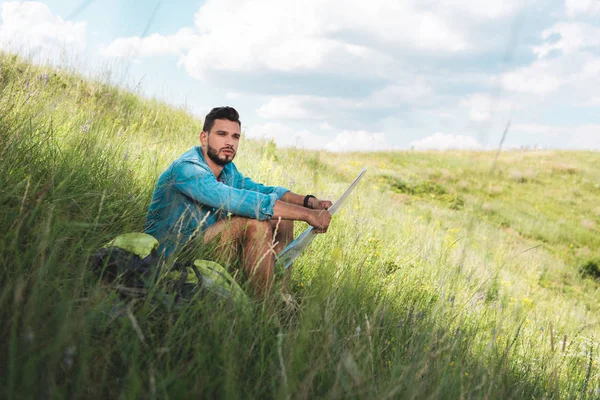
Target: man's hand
319, 220
317, 204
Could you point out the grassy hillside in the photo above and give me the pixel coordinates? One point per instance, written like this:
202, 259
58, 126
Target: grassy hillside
447, 275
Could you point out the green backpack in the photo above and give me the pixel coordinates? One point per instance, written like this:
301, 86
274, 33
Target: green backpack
207, 278
132, 259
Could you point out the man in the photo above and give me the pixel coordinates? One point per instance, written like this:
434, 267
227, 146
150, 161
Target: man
195, 194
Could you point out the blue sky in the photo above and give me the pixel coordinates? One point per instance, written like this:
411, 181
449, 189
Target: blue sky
344, 74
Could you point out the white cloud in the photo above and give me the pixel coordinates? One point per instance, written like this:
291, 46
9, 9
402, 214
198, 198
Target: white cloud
582, 137
233, 95
346, 140
492, 10
287, 107
303, 107
479, 107
442, 141
153, 45
408, 24
358, 141
576, 76
582, 7
593, 101
541, 77
482, 107
30, 28
285, 136
263, 34
369, 52
325, 126
574, 36
284, 35
414, 91
567, 70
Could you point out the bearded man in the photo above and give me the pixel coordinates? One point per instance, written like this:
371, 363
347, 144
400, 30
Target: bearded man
202, 194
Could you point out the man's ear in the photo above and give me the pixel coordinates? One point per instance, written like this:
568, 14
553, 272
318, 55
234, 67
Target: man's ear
203, 138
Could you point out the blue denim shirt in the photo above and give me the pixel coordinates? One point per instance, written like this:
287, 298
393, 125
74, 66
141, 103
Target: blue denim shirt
188, 199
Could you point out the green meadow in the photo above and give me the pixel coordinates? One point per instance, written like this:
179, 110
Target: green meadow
446, 275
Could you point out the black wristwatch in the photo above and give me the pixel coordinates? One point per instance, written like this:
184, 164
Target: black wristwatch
308, 196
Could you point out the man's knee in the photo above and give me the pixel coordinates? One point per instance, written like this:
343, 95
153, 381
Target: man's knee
258, 229
287, 227
283, 225
241, 228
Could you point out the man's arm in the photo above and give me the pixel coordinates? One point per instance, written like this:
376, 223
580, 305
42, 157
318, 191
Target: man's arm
201, 185
318, 219
283, 194
248, 184
293, 198
313, 203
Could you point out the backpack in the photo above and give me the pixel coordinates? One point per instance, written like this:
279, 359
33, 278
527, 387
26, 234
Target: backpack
132, 259
204, 277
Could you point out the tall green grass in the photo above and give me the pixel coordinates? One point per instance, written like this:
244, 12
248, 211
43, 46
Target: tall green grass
407, 296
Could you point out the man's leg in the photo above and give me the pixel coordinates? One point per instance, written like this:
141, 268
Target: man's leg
285, 233
254, 238
284, 236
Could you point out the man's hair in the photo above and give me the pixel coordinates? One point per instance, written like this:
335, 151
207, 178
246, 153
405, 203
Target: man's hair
228, 113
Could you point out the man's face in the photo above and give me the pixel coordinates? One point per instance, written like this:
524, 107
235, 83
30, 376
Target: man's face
222, 141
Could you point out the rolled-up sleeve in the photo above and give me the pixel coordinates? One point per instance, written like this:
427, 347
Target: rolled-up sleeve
200, 185
249, 184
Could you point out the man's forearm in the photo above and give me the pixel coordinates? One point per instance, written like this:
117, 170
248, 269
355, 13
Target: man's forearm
288, 210
318, 219
293, 198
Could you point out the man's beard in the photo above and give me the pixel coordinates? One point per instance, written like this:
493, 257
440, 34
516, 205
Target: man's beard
213, 154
